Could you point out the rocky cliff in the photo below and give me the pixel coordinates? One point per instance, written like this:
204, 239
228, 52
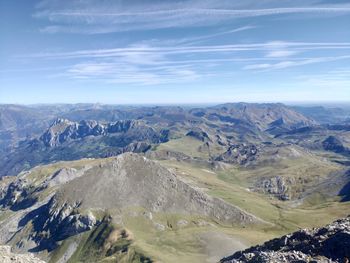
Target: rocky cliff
67, 140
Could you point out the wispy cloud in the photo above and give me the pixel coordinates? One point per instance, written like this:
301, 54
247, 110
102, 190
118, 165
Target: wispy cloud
281, 53
145, 50
199, 39
192, 43
120, 72
288, 63
148, 65
92, 17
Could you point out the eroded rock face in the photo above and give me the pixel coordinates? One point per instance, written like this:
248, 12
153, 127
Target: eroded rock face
63, 130
56, 221
50, 219
18, 195
239, 154
64, 220
66, 140
326, 244
276, 186
6, 256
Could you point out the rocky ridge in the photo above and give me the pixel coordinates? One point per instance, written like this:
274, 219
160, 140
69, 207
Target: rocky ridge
158, 190
239, 154
261, 115
64, 203
63, 130
67, 140
325, 244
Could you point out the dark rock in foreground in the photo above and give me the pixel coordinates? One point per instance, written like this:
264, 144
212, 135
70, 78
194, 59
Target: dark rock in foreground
326, 244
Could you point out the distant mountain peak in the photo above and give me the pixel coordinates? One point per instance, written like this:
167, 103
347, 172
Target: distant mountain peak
62, 130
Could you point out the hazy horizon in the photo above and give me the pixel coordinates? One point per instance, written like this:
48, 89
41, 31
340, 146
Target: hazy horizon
327, 104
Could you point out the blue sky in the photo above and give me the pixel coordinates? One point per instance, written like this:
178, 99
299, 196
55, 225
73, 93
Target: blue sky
161, 51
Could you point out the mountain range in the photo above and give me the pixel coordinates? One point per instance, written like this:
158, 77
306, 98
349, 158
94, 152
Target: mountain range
106, 183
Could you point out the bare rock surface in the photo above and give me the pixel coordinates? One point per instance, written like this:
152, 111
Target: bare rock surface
131, 180
326, 244
39, 214
7, 256
239, 154
275, 185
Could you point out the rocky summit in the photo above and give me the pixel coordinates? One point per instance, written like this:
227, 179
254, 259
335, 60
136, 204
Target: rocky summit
324, 245
157, 188
62, 130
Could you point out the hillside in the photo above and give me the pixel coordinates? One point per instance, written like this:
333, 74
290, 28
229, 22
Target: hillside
119, 129
170, 184
71, 201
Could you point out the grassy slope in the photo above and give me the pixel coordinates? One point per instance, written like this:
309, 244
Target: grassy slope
186, 145
183, 244
105, 243
232, 186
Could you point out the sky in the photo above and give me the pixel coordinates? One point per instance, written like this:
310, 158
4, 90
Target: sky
169, 51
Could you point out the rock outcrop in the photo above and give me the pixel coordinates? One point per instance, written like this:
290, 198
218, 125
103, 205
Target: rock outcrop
239, 154
63, 130
7, 256
57, 221
66, 140
18, 195
326, 244
275, 186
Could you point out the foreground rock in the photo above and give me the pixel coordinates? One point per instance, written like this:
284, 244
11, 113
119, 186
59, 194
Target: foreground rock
6, 256
326, 244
